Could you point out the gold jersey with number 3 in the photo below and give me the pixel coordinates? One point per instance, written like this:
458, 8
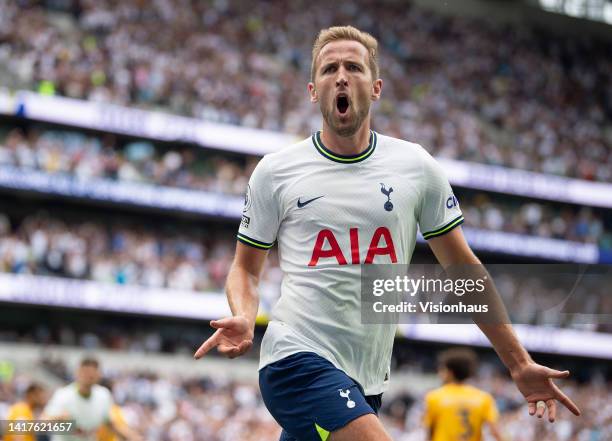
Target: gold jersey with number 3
457, 412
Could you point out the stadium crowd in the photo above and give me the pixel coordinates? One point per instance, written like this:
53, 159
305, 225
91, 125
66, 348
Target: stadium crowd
167, 408
89, 157
533, 218
168, 256
117, 253
465, 88
198, 260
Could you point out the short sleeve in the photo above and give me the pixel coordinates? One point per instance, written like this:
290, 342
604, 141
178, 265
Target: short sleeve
260, 215
439, 209
490, 411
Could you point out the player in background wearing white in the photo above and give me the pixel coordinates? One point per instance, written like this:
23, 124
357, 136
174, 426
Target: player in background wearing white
344, 197
87, 404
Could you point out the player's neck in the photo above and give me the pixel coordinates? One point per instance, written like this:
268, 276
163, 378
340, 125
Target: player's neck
84, 391
349, 145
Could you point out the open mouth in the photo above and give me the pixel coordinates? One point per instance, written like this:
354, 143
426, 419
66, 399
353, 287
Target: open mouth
342, 103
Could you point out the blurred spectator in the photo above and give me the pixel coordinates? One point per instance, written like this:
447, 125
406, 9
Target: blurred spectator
197, 260
115, 254
168, 408
89, 157
535, 219
464, 88
29, 409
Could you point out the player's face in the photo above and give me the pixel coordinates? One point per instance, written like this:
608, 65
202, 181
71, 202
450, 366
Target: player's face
343, 86
39, 398
88, 375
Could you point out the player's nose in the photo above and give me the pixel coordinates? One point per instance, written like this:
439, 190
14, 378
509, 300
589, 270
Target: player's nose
341, 76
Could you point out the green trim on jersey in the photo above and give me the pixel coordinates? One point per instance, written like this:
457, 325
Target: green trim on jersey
445, 229
324, 434
254, 242
345, 159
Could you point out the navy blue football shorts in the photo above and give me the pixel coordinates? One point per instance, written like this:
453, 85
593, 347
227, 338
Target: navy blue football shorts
309, 397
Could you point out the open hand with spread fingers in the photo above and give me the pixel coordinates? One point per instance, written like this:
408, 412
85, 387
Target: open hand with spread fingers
232, 338
536, 384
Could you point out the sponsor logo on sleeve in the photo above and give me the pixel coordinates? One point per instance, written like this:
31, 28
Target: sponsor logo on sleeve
245, 221
452, 202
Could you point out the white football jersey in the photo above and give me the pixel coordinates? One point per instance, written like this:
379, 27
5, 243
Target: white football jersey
88, 413
330, 214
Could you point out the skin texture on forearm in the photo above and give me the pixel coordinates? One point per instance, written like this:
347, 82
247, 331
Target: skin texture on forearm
495, 432
506, 344
241, 290
242, 281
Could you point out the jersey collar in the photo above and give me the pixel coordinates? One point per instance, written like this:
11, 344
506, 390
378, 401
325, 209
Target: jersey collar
345, 159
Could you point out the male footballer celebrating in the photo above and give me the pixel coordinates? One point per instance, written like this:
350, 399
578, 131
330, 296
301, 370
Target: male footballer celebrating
344, 197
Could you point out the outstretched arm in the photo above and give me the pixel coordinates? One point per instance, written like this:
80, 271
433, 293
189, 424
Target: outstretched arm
495, 432
533, 380
234, 335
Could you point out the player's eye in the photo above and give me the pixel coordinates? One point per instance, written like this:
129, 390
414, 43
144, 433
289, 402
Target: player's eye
328, 69
354, 68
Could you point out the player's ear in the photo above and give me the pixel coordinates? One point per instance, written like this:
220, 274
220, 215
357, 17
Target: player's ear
377, 89
313, 93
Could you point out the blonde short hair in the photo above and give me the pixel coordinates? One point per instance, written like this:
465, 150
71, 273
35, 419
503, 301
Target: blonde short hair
350, 33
